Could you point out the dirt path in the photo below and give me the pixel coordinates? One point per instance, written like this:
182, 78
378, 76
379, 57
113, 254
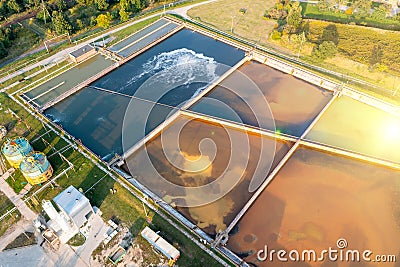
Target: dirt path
21, 18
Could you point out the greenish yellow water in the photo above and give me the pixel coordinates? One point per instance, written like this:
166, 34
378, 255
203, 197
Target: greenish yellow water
356, 126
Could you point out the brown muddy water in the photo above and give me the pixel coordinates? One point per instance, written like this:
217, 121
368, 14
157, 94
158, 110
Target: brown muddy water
294, 103
318, 198
200, 169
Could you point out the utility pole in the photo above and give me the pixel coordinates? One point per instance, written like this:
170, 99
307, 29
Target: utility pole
303, 38
44, 15
394, 87
164, 10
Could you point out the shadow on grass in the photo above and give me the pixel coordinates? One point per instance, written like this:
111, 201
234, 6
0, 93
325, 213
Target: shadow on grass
137, 226
97, 191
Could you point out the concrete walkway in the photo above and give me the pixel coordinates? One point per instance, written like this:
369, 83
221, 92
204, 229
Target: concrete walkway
25, 211
95, 236
33, 256
14, 231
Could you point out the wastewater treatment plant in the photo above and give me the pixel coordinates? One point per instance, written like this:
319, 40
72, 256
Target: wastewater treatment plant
248, 152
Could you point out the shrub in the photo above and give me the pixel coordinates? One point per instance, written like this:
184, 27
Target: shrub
357, 43
326, 49
276, 35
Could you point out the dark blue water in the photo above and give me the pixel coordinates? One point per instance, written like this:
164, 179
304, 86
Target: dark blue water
190, 57
98, 123
96, 117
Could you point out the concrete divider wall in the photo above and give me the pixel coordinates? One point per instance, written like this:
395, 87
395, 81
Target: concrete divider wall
326, 84
375, 102
308, 77
329, 85
279, 66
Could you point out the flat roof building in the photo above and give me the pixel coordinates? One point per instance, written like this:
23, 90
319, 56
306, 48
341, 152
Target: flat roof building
82, 53
160, 244
74, 205
74, 211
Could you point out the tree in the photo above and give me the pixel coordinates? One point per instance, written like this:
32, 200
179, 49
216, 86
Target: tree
104, 20
61, 5
294, 17
363, 7
124, 4
3, 9
379, 13
14, 6
330, 34
101, 4
140, 4
61, 25
322, 5
274, 13
376, 55
326, 49
33, 3
3, 50
124, 16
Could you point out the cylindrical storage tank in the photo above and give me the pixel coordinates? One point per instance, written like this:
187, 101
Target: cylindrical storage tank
36, 168
16, 150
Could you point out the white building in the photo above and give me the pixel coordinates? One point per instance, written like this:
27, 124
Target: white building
74, 211
74, 205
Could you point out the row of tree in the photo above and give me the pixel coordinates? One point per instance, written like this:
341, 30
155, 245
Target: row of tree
361, 7
95, 12
378, 49
7, 35
364, 45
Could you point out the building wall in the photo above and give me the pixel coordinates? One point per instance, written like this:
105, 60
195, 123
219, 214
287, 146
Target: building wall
83, 57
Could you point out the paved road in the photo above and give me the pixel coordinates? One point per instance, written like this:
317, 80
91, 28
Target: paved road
182, 11
95, 236
33, 256
14, 231
64, 53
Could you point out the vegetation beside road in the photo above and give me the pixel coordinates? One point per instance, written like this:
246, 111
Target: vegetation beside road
15, 40
9, 221
5, 206
329, 12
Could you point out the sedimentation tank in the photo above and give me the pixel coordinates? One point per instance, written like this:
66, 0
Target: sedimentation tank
36, 168
16, 150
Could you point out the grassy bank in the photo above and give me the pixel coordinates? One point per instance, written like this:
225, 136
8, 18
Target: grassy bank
5, 206
311, 11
